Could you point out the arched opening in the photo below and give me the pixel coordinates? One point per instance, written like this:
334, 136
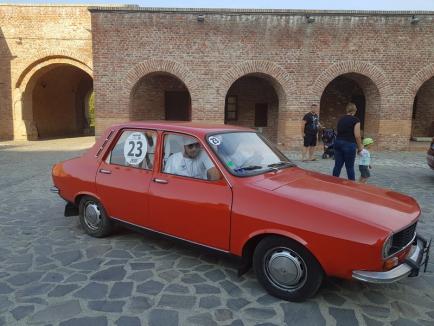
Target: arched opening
160, 96
253, 101
55, 102
423, 111
356, 88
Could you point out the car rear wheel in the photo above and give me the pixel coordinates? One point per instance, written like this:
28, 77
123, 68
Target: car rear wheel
93, 217
286, 269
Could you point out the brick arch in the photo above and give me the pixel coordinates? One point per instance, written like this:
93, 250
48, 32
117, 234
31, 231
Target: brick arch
416, 82
47, 58
280, 79
374, 73
156, 65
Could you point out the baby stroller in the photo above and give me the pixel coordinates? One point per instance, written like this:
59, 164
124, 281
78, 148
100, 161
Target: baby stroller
328, 139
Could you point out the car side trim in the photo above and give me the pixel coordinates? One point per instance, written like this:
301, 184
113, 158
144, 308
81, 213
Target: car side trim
168, 235
418, 258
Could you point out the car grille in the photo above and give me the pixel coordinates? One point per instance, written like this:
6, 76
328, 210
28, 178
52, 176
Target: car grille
402, 238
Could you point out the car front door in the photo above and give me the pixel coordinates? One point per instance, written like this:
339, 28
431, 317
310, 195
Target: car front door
124, 175
191, 208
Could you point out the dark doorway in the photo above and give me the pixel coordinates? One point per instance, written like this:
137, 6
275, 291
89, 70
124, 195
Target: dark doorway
177, 105
359, 101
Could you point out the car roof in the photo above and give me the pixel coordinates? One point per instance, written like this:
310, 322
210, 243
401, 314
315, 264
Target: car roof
197, 128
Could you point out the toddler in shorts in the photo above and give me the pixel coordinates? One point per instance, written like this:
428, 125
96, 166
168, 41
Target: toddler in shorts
365, 161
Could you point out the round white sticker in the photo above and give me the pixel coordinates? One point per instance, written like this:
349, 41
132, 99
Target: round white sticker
214, 140
135, 148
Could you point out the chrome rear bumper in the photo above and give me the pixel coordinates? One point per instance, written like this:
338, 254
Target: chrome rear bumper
54, 190
417, 260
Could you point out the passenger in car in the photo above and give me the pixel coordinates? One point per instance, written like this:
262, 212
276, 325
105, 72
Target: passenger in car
193, 162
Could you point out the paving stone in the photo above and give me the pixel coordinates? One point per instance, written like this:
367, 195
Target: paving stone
187, 262
343, 316
139, 304
92, 291
22, 311
150, 287
307, 313
375, 311
57, 312
117, 253
24, 278
169, 275
237, 304
259, 313
88, 265
5, 303
334, 298
177, 301
62, 290
76, 278
121, 290
192, 278
404, 322
206, 289
176, 288
223, 314
141, 266
106, 306
371, 321
53, 277
140, 276
231, 288
203, 319
5, 289
84, 321
110, 274
34, 290
267, 299
97, 251
113, 262
237, 322
128, 321
211, 301
376, 297
159, 317
68, 257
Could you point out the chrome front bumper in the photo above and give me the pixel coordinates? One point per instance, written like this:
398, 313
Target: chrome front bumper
54, 190
417, 260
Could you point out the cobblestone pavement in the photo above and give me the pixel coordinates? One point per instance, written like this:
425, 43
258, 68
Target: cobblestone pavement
51, 273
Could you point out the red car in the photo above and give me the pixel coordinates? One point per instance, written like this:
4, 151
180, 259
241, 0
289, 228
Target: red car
228, 188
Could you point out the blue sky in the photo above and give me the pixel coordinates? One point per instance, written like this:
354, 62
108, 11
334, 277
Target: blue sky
270, 4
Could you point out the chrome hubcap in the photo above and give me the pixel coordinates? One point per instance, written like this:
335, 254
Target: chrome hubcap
285, 268
92, 216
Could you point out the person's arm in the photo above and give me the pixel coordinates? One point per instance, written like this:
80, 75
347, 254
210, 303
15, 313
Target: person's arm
213, 174
358, 136
303, 124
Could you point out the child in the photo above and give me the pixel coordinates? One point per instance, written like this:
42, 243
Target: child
365, 161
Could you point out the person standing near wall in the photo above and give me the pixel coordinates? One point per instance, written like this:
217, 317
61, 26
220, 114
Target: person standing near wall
309, 130
348, 141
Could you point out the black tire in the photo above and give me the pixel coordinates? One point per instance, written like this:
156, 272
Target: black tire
93, 217
286, 269
324, 156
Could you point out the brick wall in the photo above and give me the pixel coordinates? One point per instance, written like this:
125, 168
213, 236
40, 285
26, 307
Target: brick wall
391, 56
33, 38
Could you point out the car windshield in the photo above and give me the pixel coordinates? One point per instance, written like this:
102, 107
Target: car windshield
247, 153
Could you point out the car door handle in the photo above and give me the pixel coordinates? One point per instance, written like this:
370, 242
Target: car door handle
105, 171
160, 181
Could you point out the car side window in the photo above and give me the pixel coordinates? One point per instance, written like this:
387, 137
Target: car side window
134, 148
183, 155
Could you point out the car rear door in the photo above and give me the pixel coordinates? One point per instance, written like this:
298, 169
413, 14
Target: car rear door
124, 175
193, 209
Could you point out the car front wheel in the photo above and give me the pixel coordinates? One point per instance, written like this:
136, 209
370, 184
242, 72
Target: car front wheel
93, 217
286, 269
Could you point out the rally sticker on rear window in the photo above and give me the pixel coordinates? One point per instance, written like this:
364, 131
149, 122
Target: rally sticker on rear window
135, 148
214, 140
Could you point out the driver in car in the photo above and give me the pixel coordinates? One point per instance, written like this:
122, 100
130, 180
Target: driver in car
193, 162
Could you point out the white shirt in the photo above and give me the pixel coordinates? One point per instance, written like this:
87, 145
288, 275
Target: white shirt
196, 167
365, 157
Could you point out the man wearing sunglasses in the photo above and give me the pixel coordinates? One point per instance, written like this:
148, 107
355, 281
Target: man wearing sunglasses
193, 162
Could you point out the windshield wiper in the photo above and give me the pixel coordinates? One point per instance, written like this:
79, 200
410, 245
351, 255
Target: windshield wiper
280, 164
248, 168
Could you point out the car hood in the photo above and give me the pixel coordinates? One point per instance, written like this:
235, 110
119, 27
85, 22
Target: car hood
376, 206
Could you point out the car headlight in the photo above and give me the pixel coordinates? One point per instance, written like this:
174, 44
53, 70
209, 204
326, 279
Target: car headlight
387, 246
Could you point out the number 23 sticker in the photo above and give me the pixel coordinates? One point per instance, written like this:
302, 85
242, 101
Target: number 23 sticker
214, 140
135, 148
